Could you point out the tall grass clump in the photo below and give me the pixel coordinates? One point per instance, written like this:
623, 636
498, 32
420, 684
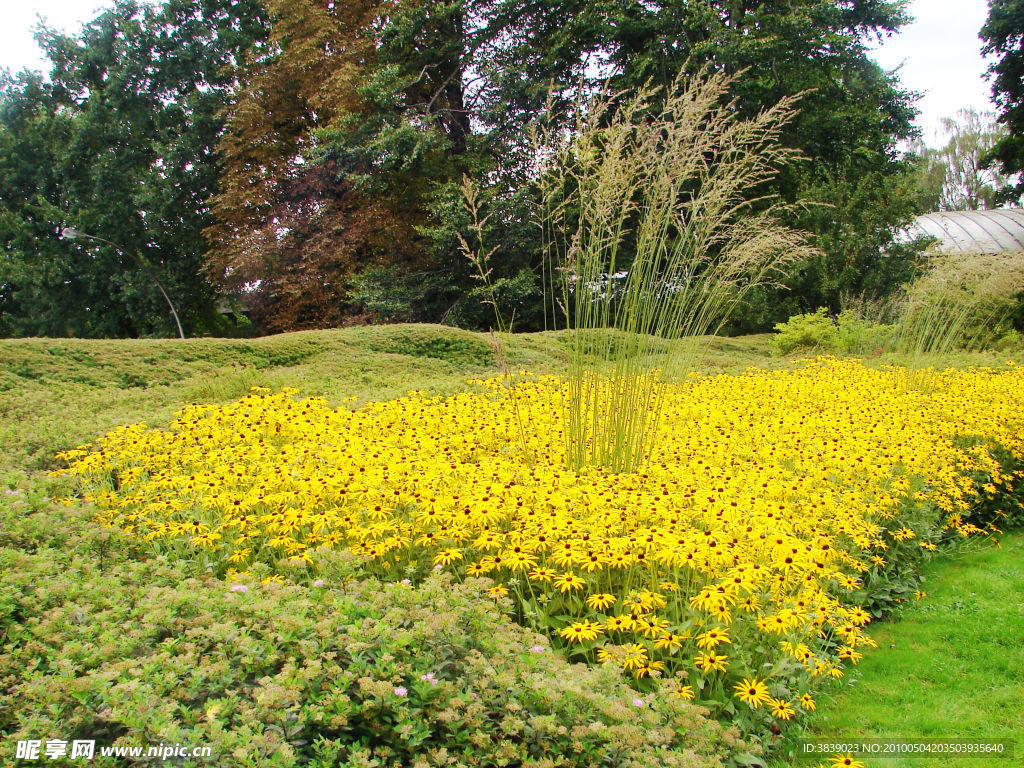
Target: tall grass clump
654, 231
960, 302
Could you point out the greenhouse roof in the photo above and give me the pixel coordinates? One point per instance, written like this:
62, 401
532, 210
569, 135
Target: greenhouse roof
992, 231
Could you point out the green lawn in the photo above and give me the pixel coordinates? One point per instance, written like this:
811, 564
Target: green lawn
948, 667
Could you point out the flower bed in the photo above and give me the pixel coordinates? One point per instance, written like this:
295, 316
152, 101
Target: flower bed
778, 513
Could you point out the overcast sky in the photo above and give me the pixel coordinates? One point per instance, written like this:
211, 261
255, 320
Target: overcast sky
938, 54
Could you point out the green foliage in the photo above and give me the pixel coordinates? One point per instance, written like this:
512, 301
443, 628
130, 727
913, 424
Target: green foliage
389, 295
449, 344
454, 87
99, 644
819, 332
328, 146
118, 144
854, 183
812, 331
1003, 35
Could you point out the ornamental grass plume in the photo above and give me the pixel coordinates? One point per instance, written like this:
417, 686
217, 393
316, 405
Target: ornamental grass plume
958, 302
654, 233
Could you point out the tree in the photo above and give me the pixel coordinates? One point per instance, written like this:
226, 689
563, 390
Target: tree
929, 177
1003, 36
852, 118
437, 88
41, 283
965, 183
294, 219
388, 105
118, 144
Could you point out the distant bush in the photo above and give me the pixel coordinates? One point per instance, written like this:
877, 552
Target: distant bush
818, 331
442, 343
99, 645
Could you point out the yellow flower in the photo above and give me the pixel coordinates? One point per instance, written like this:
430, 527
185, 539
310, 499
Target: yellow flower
542, 574
580, 631
601, 601
569, 582
634, 656
684, 692
781, 709
711, 660
712, 638
846, 652
669, 641
207, 539
752, 691
845, 761
447, 556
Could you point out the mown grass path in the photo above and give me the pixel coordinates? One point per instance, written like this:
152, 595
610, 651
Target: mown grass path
949, 666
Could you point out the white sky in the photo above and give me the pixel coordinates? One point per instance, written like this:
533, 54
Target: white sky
17, 48
939, 52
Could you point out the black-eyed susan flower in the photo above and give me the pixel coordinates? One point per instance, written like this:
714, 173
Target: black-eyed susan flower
580, 631
711, 661
684, 692
781, 709
669, 641
713, 638
601, 601
569, 582
752, 691
543, 574
845, 761
447, 556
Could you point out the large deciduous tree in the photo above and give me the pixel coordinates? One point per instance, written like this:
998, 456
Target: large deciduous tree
120, 144
852, 117
291, 223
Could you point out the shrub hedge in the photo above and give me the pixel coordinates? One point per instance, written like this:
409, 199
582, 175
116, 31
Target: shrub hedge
98, 643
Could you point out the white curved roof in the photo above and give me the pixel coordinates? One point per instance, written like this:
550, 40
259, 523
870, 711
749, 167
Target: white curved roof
992, 231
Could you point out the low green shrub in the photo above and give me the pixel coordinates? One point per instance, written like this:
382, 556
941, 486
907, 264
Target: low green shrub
819, 332
812, 331
98, 644
453, 345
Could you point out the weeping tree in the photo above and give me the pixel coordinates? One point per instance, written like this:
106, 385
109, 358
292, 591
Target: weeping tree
654, 230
